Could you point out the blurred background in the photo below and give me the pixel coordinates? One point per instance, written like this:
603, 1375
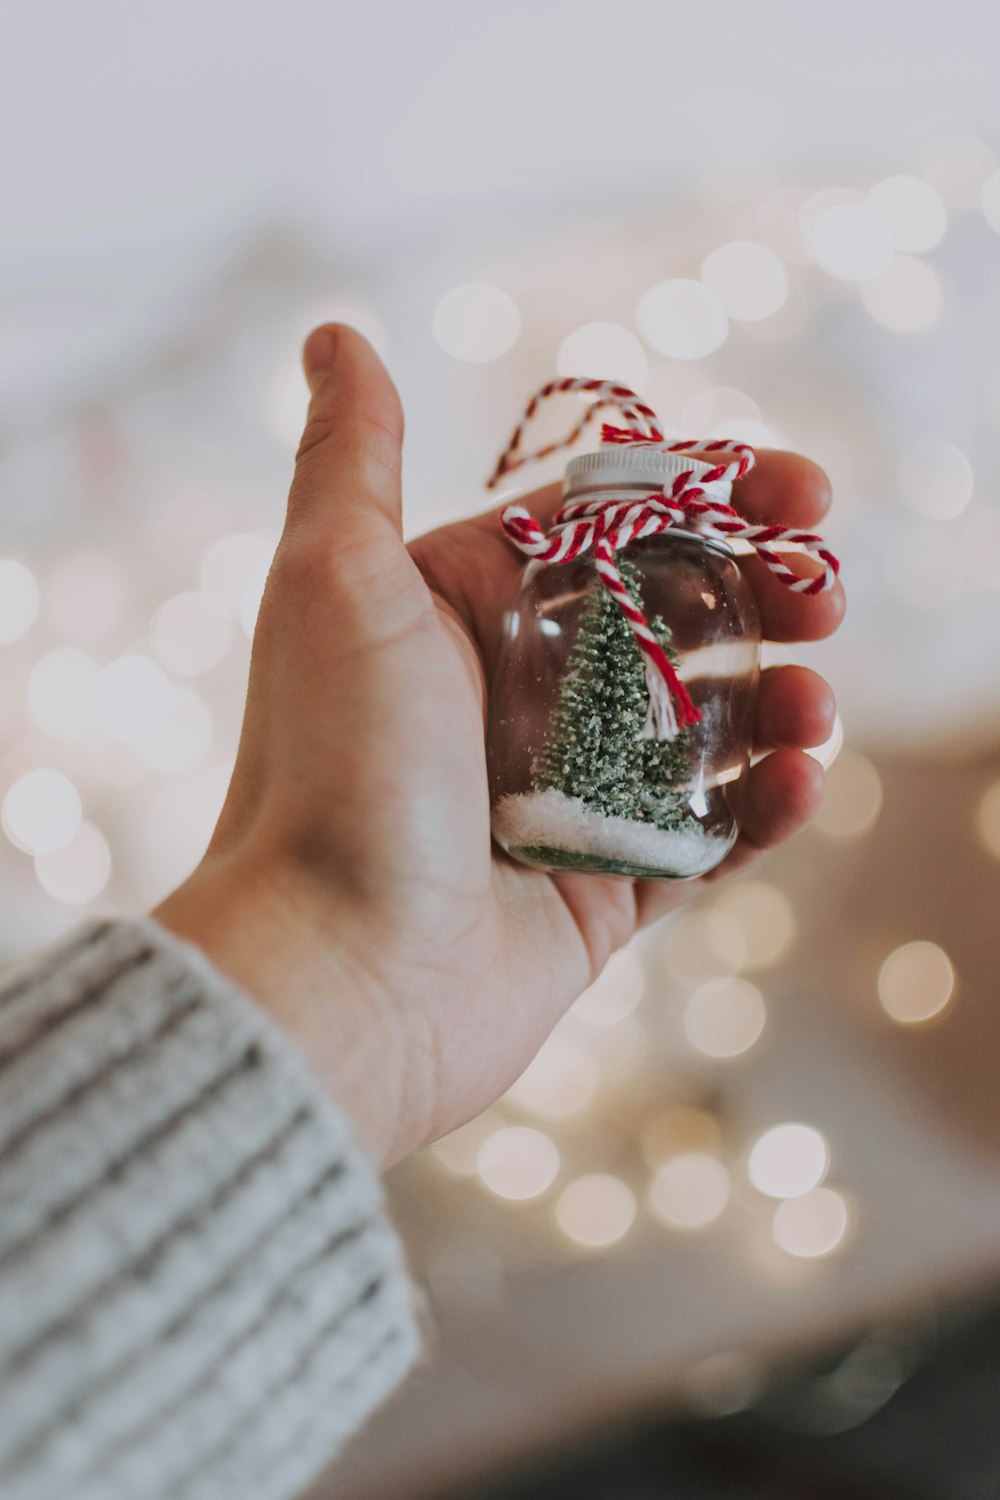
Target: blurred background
753, 1177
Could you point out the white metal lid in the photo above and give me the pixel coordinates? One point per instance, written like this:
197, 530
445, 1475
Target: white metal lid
627, 466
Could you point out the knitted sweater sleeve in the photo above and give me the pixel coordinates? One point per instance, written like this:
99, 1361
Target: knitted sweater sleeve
200, 1294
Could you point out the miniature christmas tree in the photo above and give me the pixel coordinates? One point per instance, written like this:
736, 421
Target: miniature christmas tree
594, 750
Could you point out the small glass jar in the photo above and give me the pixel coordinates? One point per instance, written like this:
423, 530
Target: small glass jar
574, 784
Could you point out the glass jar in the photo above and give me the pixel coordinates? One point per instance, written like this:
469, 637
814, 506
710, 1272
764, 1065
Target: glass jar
574, 784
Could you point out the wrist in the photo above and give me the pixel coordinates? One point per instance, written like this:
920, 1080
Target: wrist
283, 946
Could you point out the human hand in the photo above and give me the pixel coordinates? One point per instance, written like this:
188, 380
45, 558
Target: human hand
351, 885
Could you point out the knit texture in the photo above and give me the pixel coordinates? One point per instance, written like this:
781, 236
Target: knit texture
200, 1295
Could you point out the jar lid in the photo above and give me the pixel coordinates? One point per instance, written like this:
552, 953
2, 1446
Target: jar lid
627, 466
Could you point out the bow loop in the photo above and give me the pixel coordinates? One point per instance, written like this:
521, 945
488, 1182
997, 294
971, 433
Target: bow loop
693, 501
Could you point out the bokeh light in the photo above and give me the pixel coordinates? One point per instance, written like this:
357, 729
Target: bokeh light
42, 811
765, 918
712, 412
191, 633
183, 737
749, 280
596, 1210
561, 1080
476, 322
957, 166
78, 872
916, 217
689, 1191
132, 697
61, 688
724, 1017
459, 1149
852, 800
851, 241
517, 1162
988, 819
234, 565
907, 298
916, 982
704, 944
19, 600
604, 349
615, 993
788, 1160
935, 479
811, 1226
682, 319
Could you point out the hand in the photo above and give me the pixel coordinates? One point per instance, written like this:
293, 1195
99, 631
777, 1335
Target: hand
351, 885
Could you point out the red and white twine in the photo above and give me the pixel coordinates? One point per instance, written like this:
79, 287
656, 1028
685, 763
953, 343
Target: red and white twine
691, 502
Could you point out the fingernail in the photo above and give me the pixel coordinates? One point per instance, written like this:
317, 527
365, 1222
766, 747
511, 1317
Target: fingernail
317, 355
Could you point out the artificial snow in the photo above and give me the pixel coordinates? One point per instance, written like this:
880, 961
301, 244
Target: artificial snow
551, 819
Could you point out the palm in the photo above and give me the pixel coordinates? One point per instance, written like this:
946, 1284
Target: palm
356, 834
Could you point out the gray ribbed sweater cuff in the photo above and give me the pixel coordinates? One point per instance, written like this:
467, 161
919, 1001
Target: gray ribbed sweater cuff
200, 1295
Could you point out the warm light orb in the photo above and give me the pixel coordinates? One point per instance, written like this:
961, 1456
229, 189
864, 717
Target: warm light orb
61, 692
517, 1162
988, 819
916, 217
725, 1017
476, 322
788, 1160
916, 982
749, 280
615, 993
712, 412
852, 800
811, 1226
851, 241
906, 298
191, 633
690, 1191
183, 738
680, 1128
41, 811
19, 600
596, 1210
618, 1046
232, 565
682, 319
765, 918
560, 1081
79, 871
606, 349
702, 945
459, 1150
132, 697
935, 479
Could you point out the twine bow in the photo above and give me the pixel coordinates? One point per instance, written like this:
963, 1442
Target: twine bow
691, 502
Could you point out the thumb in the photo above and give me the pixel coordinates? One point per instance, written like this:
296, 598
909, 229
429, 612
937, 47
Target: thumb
349, 463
